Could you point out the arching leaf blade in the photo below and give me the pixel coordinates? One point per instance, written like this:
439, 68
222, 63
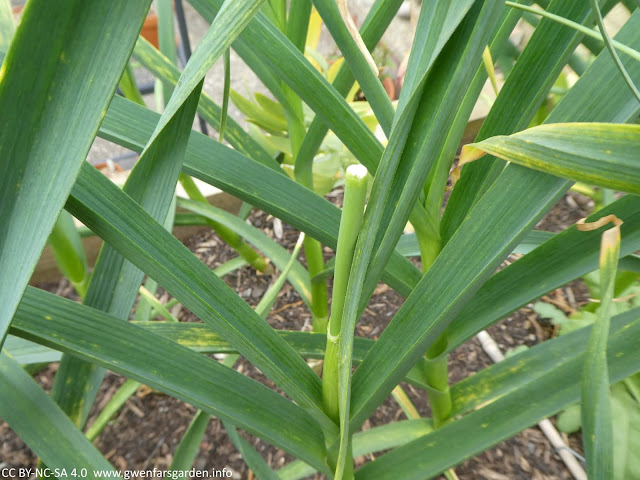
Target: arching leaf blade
124, 348
601, 154
49, 115
41, 424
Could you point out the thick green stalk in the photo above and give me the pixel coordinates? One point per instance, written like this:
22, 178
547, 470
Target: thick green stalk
437, 376
312, 247
352, 214
234, 240
436, 369
436, 365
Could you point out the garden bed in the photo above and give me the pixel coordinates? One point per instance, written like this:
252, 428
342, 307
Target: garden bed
146, 431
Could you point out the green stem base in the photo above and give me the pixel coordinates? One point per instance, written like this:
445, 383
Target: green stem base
437, 376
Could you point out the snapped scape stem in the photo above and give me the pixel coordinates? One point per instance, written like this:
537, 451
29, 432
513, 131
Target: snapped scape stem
352, 215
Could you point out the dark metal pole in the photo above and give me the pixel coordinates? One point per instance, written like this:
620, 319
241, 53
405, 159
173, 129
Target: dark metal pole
184, 52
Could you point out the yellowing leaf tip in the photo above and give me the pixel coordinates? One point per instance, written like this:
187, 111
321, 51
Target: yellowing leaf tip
585, 226
470, 153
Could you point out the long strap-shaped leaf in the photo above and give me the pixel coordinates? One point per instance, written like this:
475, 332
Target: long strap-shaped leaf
115, 281
130, 125
532, 366
171, 368
585, 102
392, 186
122, 223
358, 62
490, 385
229, 22
297, 275
164, 69
538, 68
49, 115
377, 21
436, 111
263, 46
505, 416
482, 388
42, 425
599, 154
469, 394
493, 228
565, 257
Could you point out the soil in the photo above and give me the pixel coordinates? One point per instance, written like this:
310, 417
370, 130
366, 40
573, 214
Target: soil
146, 431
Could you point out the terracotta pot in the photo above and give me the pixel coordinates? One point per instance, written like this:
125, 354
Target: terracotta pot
149, 28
